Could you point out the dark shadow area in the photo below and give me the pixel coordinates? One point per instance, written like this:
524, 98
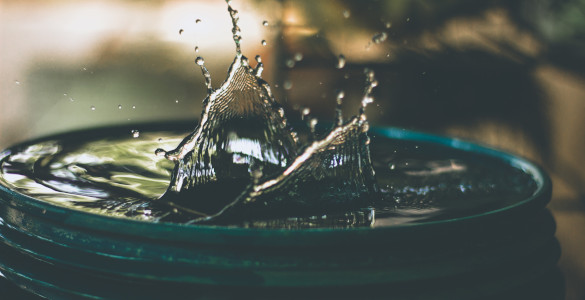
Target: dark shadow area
435, 91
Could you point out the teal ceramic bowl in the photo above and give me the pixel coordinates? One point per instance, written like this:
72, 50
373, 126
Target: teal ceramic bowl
56, 251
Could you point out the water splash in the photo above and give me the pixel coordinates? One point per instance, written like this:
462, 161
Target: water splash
243, 139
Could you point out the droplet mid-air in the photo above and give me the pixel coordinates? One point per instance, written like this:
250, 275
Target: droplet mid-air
287, 84
340, 61
379, 37
298, 56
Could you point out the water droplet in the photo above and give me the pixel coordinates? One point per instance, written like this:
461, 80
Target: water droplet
287, 84
84, 69
135, 133
379, 37
199, 60
133, 106
388, 24
196, 49
92, 107
338, 111
298, 56
263, 42
290, 63
17, 82
258, 59
181, 31
265, 23
340, 61
197, 21
313, 123
340, 96
120, 106
407, 19
71, 99
256, 173
176, 100
65, 94
346, 13
305, 112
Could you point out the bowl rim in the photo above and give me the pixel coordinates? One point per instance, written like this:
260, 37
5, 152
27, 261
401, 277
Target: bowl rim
214, 234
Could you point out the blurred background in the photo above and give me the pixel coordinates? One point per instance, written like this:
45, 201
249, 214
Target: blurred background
510, 74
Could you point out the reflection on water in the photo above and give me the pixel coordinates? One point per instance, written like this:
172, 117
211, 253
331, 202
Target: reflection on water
119, 176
